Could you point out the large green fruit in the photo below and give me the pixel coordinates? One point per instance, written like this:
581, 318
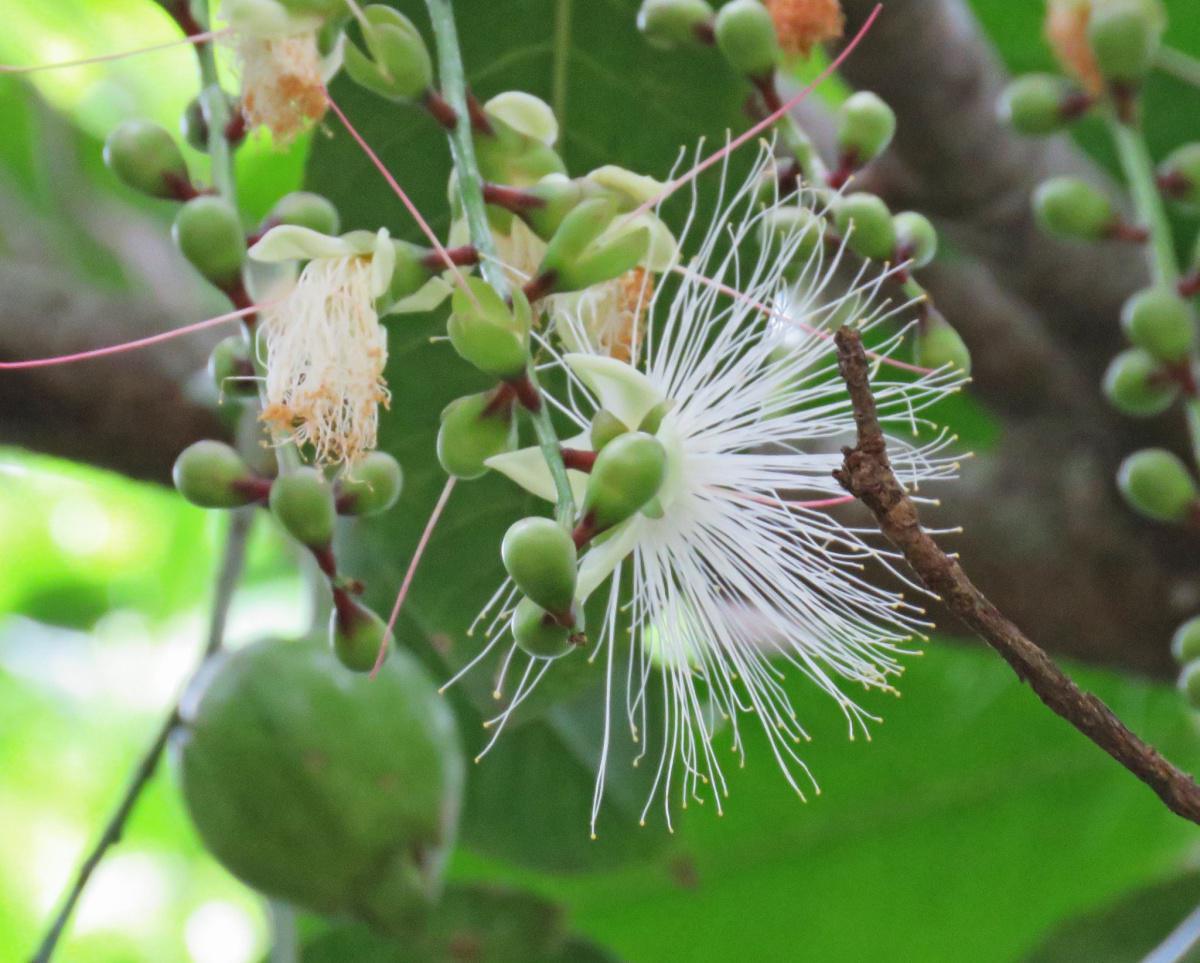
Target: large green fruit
328, 789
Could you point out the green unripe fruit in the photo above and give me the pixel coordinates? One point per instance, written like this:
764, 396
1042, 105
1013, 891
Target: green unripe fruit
1157, 484
470, 434
746, 37
937, 345
212, 475
916, 238
540, 558
865, 127
232, 369
539, 634
792, 224
627, 474
1179, 176
356, 634
208, 231
1185, 643
335, 792
1161, 322
396, 63
305, 209
1189, 684
1068, 207
866, 223
302, 500
372, 487
605, 427
1125, 36
487, 333
1034, 104
145, 157
1135, 385
667, 24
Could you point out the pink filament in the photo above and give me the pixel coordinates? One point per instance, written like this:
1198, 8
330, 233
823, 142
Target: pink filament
103, 58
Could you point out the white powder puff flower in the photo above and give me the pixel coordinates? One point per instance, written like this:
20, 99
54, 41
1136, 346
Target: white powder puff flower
740, 575
325, 348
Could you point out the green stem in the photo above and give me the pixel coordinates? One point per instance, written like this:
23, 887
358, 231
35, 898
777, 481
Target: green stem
1139, 172
470, 186
1179, 65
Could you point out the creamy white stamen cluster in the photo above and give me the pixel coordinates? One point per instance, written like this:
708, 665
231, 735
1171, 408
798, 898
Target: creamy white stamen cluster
744, 575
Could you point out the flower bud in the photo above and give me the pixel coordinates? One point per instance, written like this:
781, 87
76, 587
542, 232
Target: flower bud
1068, 207
302, 500
865, 127
1161, 322
1038, 104
667, 24
232, 369
212, 475
1179, 176
410, 273
488, 333
473, 429
1125, 36
866, 223
1135, 384
746, 37
1157, 484
581, 254
1185, 643
540, 557
605, 427
627, 474
916, 238
793, 224
208, 232
145, 157
373, 487
516, 157
938, 345
396, 63
1189, 684
305, 209
540, 634
356, 634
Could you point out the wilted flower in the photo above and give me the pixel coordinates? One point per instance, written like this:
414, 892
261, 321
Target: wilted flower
802, 24
1066, 31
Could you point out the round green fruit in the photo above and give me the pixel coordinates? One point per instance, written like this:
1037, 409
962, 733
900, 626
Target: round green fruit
1189, 683
1159, 321
208, 232
1068, 207
212, 475
1185, 643
371, 486
302, 500
540, 558
866, 125
1034, 104
866, 223
746, 36
1156, 483
1135, 385
474, 428
627, 474
539, 634
145, 157
305, 209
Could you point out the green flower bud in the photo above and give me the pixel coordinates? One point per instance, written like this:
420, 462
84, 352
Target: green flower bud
627, 474
410, 273
474, 429
356, 634
1189, 684
578, 256
605, 427
305, 209
1125, 36
507, 156
667, 24
232, 369
540, 634
302, 500
937, 344
793, 223
558, 196
488, 333
916, 238
746, 36
1068, 207
1038, 104
1185, 643
1179, 176
1157, 484
145, 157
373, 487
212, 475
396, 63
540, 557
1160, 321
653, 418
865, 127
208, 231
1135, 385
866, 223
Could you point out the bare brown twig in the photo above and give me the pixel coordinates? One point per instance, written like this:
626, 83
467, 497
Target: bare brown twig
867, 474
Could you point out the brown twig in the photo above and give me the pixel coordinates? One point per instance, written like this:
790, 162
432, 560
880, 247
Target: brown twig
867, 474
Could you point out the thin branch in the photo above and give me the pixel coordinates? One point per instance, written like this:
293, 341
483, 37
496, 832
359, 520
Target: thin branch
227, 578
867, 474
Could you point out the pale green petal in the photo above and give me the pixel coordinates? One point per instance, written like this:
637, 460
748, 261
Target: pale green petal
383, 263
332, 62
266, 18
427, 297
290, 242
620, 388
527, 467
637, 187
600, 561
525, 113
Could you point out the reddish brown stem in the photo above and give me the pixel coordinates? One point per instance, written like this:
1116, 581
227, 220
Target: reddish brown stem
480, 123
439, 109
526, 393
1130, 233
325, 561
464, 256
538, 287
1189, 286
511, 198
258, 488
181, 188
765, 85
705, 33
585, 531
501, 401
578, 458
